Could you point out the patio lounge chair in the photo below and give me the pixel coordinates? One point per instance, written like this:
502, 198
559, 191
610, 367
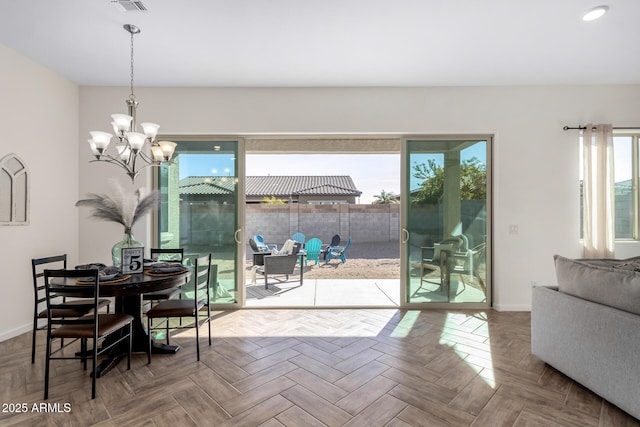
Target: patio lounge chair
262, 246
337, 252
280, 264
312, 249
258, 254
335, 241
299, 237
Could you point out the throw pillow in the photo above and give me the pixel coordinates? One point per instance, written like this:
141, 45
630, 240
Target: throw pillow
604, 284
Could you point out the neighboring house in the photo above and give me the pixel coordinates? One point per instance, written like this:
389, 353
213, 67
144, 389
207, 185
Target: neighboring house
332, 189
219, 189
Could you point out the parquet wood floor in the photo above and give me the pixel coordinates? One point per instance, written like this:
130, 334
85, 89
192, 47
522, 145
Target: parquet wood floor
319, 368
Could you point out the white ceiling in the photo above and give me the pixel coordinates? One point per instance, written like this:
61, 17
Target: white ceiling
330, 42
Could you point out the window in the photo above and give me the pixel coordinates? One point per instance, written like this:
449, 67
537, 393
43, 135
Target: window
626, 163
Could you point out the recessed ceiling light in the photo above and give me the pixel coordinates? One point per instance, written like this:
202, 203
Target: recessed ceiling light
595, 13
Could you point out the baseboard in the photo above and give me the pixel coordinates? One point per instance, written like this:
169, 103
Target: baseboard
500, 307
5, 335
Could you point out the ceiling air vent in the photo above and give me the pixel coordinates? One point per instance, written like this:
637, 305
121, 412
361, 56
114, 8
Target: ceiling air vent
129, 5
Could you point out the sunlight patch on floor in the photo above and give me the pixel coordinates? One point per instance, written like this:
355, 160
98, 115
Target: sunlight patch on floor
468, 336
403, 328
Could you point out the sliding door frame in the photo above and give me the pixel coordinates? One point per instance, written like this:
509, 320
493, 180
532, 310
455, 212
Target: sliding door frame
404, 219
240, 209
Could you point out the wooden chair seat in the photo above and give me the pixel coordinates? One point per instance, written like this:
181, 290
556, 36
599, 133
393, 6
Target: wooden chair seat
107, 324
176, 308
166, 294
73, 310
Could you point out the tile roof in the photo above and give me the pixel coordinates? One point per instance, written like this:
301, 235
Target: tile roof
283, 186
215, 185
278, 186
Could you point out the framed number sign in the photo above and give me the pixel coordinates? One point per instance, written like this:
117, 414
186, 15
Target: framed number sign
132, 260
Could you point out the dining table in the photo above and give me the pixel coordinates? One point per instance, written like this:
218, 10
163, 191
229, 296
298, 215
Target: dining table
127, 291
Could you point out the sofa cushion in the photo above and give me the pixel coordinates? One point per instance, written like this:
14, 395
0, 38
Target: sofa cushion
599, 282
627, 264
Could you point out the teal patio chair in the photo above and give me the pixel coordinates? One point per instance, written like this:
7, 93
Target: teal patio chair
312, 249
299, 237
337, 252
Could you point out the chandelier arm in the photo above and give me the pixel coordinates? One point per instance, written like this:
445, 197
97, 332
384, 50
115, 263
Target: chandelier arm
131, 171
110, 159
149, 160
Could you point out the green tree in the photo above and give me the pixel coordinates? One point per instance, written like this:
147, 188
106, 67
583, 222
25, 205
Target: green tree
385, 198
473, 181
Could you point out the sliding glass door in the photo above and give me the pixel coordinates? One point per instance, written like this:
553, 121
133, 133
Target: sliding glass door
446, 221
200, 209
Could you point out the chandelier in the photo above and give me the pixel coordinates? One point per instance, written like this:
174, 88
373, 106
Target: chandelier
130, 145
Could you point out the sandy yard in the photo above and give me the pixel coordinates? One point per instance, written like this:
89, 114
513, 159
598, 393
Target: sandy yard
364, 261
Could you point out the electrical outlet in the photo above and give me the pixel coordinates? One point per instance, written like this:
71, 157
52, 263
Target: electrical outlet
514, 229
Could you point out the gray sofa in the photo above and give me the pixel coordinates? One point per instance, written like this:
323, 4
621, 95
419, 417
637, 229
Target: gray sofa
589, 327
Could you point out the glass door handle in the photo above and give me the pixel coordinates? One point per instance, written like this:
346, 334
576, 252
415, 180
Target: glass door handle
405, 235
237, 233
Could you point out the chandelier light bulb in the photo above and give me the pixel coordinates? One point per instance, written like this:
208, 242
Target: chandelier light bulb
157, 153
94, 149
150, 129
122, 121
101, 139
595, 13
123, 151
136, 140
168, 147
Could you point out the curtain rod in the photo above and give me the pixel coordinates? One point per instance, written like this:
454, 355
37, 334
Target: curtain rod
580, 127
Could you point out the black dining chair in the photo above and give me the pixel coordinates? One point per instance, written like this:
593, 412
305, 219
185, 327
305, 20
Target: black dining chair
163, 254
63, 322
38, 265
203, 275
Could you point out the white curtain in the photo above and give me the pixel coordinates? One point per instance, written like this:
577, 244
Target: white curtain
598, 191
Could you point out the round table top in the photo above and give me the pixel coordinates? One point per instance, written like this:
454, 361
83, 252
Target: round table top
141, 283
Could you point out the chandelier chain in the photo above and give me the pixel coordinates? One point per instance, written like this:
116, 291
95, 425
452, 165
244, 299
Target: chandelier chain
132, 96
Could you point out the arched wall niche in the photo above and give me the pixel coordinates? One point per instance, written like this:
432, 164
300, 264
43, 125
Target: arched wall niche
14, 191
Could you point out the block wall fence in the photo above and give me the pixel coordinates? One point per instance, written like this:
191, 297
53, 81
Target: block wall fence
363, 223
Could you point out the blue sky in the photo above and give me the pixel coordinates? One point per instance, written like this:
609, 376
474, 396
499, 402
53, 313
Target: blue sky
371, 173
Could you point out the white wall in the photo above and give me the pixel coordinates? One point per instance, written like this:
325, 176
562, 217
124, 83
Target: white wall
39, 122
535, 161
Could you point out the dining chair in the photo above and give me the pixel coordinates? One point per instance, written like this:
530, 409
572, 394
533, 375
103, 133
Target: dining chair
63, 322
164, 254
437, 257
38, 265
468, 263
203, 275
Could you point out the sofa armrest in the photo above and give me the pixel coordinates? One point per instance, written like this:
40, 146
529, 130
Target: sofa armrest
594, 344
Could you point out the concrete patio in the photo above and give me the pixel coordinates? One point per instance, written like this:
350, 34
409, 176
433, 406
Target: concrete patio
325, 293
